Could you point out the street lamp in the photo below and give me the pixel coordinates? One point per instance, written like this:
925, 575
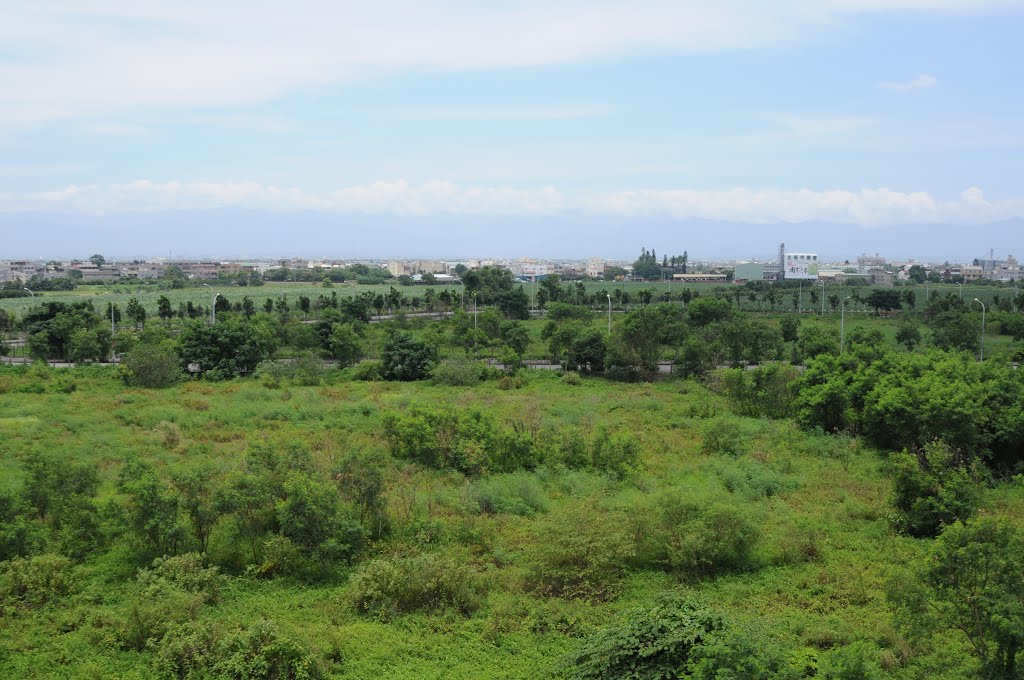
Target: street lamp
609, 313
30, 292
961, 291
981, 353
842, 324
213, 306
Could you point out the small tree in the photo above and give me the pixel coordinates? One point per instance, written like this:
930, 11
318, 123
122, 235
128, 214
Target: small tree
908, 335
405, 358
971, 584
151, 366
937, 486
344, 344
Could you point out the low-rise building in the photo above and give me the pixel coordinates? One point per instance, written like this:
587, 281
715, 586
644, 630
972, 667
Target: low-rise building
748, 271
595, 268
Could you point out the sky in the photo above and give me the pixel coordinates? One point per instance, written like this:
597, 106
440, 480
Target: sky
534, 127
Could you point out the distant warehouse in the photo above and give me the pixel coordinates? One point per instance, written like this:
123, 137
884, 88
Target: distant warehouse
700, 278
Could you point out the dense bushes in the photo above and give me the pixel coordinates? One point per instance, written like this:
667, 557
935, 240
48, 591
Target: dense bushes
472, 443
676, 637
517, 493
151, 365
934, 487
694, 534
902, 401
386, 587
260, 650
35, 581
581, 552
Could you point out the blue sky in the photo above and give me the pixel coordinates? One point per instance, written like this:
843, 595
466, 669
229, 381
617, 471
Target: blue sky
871, 113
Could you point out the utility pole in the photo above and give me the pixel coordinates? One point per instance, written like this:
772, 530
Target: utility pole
213, 306
842, 324
981, 353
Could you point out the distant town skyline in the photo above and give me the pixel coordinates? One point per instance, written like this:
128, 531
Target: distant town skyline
245, 123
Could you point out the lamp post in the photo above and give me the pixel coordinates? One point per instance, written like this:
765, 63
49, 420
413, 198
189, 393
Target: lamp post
981, 352
30, 292
609, 313
961, 291
213, 306
842, 324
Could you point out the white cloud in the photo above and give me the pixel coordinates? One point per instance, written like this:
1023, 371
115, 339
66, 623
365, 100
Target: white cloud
116, 129
77, 58
867, 207
921, 82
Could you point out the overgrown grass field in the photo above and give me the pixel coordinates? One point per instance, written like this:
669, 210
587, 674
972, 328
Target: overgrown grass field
812, 578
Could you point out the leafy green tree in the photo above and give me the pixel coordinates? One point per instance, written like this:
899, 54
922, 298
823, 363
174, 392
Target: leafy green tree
98, 260
151, 365
587, 350
151, 509
312, 516
136, 312
909, 335
345, 345
704, 311
197, 488
884, 300
89, 345
955, 330
405, 358
970, 584
646, 266
815, 341
226, 349
933, 488
163, 308
515, 336
790, 327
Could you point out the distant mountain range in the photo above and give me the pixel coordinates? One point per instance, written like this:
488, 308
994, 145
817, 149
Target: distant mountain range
239, 234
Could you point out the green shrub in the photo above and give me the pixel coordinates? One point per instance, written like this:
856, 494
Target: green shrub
272, 373
386, 587
368, 371
676, 637
261, 651
458, 372
406, 358
724, 435
509, 382
151, 366
617, 455
308, 369
768, 391
695, 535
183, 572
281, 557
858, 661
753, 479
572, 378
516, 493
935, 487
256, 652
36, 581
581, 552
